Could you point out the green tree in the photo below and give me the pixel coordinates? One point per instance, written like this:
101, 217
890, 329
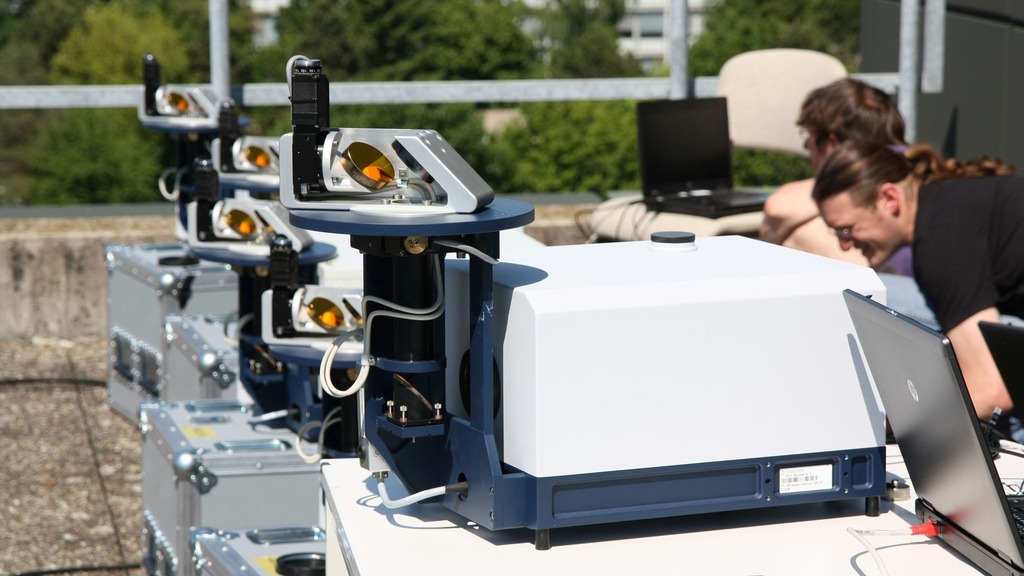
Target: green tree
95, 156
191, 20
107, 45
104, 155
571, 147
581, 40
565, 19
594, 53
30, 34
736, 26
408, 39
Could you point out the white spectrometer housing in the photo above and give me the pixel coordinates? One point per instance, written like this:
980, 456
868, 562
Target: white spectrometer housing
676, 356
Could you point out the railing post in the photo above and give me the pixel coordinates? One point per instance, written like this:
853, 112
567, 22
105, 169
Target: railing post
910, 61
932, 70
679, 57
220, 54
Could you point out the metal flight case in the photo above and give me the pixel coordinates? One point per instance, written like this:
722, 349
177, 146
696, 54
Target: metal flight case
145, 283
267, 552
204, 464
200, 359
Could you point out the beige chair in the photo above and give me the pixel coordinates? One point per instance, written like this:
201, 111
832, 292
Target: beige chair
765, 89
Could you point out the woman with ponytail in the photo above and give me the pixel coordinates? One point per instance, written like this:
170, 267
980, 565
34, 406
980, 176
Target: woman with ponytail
965, 222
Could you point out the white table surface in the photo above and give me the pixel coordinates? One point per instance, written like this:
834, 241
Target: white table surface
807, 539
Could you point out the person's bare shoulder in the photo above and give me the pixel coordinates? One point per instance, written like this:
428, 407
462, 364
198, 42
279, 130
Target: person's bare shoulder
786, 209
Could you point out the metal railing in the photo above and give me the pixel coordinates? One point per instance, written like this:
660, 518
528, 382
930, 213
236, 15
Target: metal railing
432, 92
675, 86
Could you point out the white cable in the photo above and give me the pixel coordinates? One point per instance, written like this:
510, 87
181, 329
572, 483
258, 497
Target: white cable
288, 70
238, 329
871, 549
467, 248
161, 184
328, 359
382, 491
314, 458
400, 311
267, 417
408, 309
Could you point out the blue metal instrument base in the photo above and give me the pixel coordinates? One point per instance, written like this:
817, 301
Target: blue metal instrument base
316, 253
558, 502
500, 214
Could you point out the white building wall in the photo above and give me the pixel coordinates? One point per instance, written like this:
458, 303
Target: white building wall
644, 31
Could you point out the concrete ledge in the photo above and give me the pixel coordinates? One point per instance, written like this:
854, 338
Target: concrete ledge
53, 280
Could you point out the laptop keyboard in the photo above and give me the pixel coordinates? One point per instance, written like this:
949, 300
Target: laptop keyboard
1017, 509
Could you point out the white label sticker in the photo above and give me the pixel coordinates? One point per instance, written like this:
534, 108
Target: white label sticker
805, 479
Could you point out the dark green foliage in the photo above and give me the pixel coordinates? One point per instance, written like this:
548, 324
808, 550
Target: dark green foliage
736, 26
763, 168
95, 156
31, 35
571, 147
574, 146
567, 19
106, 47
594, 53
191, 19
104, 155
407, 39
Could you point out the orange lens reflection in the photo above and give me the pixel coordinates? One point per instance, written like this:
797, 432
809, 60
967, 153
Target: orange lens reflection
240, 222
371, 162
258, 156
325, 314
179, 102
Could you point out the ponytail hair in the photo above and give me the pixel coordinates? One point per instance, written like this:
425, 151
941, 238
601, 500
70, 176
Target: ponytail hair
860, 168
928, 166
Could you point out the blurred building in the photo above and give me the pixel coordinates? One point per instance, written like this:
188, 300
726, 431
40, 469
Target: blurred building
265, 16
644, 31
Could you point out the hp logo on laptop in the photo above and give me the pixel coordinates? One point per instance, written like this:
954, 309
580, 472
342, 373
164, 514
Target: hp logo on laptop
913, 390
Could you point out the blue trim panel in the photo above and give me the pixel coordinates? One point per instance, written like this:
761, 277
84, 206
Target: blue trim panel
695, 489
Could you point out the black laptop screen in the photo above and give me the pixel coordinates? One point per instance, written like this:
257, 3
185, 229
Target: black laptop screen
684, 145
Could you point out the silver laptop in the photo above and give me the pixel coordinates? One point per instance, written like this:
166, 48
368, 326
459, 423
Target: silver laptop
933, 419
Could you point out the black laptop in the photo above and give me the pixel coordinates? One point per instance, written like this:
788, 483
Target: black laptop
931, 414
686, 159
1006, 343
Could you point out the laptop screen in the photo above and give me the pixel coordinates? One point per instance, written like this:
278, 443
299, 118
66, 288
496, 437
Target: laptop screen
927, 403
684, 145
1005, 343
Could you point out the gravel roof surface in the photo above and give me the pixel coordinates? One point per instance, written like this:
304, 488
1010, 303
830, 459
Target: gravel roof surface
70, 481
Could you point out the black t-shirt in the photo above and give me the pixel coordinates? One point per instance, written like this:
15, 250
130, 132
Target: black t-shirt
969, 246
